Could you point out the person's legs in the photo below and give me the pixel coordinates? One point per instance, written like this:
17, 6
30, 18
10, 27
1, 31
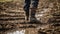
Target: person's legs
26, 7
33, 9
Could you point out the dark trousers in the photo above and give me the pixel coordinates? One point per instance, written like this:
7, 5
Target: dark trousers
27, 5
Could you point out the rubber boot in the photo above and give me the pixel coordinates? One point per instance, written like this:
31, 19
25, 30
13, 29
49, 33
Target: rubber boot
33, 12
27, 16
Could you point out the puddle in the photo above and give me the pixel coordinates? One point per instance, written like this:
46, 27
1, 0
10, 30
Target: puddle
20, 31
17, 32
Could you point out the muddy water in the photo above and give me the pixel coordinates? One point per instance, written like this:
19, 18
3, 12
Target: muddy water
19, 31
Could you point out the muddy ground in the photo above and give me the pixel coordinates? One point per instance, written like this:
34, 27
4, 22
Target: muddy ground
12, 18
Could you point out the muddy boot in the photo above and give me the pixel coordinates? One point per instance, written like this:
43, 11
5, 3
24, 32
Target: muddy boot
33, 18
27, 17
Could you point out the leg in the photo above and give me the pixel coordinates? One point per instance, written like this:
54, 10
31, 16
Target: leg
34, 7
26, 7
35, 3
33, 10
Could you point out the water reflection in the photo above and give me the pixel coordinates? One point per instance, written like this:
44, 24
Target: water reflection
17, 32
13, 31
20, 31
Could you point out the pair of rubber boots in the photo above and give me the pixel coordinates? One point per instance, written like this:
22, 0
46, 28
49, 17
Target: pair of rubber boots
31, 17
